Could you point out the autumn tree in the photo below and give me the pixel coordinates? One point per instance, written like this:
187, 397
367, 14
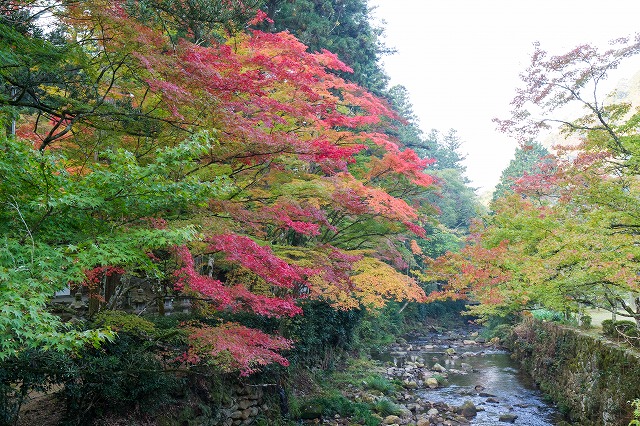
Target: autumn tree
343, 27
146, 135
568, 236
528, 160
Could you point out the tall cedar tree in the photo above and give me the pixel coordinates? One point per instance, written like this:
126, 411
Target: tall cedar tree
341, 26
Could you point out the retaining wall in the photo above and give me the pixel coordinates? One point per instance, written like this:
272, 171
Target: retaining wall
590, 378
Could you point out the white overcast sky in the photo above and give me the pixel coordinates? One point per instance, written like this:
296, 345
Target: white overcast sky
460, 60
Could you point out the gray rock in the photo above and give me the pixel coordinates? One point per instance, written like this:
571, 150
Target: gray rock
468, 409
508, 418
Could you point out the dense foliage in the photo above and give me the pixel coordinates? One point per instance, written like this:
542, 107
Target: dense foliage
159, 153
568, 236
231, 168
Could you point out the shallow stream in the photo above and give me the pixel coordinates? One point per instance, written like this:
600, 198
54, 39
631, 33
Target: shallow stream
488, 377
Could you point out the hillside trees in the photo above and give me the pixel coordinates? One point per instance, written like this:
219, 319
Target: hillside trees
528, 160
568, 236
233, 168
340, 26
454, 202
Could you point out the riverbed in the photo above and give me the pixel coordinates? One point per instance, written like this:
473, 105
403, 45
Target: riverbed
471, 371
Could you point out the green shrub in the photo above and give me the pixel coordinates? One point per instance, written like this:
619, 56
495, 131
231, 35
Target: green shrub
626, 330
608, 328
115, 378
585, 322
386, 407
124, 322
379, 383
502, 331
321, 334
636, 413
547, 315
334, 403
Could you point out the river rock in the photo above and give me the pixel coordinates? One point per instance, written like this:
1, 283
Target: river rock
414, 407
466, 367
431, 382
438, 367
433, 412
508, 418
391, 420
410, 384
468, 409
450, 351
469, 342
492, 400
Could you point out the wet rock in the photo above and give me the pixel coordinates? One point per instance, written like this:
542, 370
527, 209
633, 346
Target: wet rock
468, 409
469, 342
492, 400
466, 367
438, 367
508, 418
486, 395
450, 351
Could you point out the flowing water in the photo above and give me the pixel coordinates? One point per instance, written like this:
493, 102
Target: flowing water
491, 381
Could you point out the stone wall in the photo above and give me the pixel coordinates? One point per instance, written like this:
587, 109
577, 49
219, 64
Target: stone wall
246, 405
590, 378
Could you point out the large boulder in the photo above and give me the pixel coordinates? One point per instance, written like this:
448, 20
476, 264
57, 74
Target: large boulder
431, 382
468, 409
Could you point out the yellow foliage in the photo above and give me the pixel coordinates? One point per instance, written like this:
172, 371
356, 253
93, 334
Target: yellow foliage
376, 282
